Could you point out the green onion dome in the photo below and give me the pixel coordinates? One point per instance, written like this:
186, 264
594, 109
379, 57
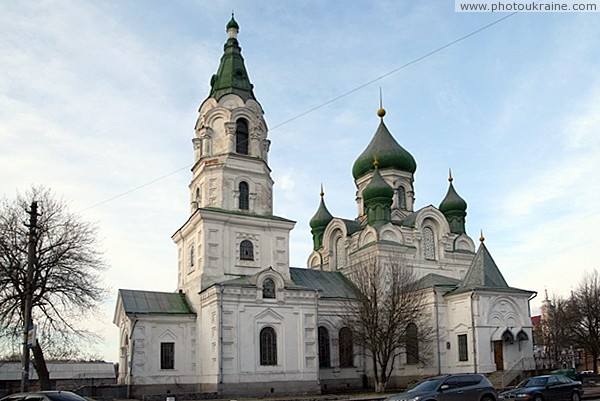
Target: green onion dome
389, 153
378, 191
232, 23
452, 203
322, 217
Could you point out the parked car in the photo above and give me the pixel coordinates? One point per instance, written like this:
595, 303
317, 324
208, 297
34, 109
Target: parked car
44, 396
456, 387
545, 388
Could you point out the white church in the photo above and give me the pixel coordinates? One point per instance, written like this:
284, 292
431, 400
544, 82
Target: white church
243, 322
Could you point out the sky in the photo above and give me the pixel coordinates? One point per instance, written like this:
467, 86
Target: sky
98, 102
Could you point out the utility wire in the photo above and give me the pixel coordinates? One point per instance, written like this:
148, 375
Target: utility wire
403, 66
139, 187
332, 100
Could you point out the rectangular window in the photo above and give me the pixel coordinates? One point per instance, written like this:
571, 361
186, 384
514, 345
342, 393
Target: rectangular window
167, 355
463, 354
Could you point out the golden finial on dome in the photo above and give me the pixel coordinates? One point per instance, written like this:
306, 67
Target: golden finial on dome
322, 193
381, 111
450, 179
481, 237
375, 162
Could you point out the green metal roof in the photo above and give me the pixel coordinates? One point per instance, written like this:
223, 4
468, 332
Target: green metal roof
452, 202
322, 217
436, 280
388, 152
231, 77
483, 274
329, 284
152, 302
378, 191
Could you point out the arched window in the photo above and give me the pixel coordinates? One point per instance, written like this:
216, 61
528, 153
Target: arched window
340, 253
246, 250
198, 196
241, 137
346, 348
412, 344
324, 355
244, 202
268, 346
401, 198
428, 244
268, 288
191, 261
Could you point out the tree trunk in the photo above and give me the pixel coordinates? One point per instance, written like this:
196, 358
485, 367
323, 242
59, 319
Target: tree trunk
39, 363
379, 386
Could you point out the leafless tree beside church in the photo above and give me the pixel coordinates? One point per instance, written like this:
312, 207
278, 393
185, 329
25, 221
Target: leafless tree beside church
584, 311
556, 332
390, 317
66, 278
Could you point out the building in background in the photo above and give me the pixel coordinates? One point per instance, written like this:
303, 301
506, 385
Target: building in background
63, 376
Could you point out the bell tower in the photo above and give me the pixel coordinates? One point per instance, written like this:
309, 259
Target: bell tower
231, 231
231, 147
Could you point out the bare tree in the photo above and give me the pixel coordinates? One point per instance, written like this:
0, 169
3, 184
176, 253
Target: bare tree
556, 332
389, 316
584, 311
66, 285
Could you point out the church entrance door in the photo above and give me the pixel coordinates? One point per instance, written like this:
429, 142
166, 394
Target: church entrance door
498, 355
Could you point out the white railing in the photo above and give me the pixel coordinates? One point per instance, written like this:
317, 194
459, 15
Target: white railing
516, 369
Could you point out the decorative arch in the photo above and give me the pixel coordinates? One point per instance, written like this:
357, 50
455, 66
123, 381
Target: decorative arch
215, 118
503, 311
367, 236
508, 337
335, 228
315, 260
264, 279
464, 243
391, 235
522, 336
433, 217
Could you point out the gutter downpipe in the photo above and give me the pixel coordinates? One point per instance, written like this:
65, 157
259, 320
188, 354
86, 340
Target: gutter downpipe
317, 317
437, 331
474, 336
132, 342
220, 336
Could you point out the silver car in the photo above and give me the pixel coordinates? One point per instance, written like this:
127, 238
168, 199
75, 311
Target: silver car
456, 387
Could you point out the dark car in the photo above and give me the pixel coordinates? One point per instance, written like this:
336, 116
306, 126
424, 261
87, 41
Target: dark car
457, 387
545, 388
44, 396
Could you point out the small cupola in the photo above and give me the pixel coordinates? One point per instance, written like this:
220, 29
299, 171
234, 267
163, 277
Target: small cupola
319, 222
231, 77
454, 208
378, 198
232, 28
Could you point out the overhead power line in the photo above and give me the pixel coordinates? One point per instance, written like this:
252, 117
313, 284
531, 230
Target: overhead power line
334, 99
136, 188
